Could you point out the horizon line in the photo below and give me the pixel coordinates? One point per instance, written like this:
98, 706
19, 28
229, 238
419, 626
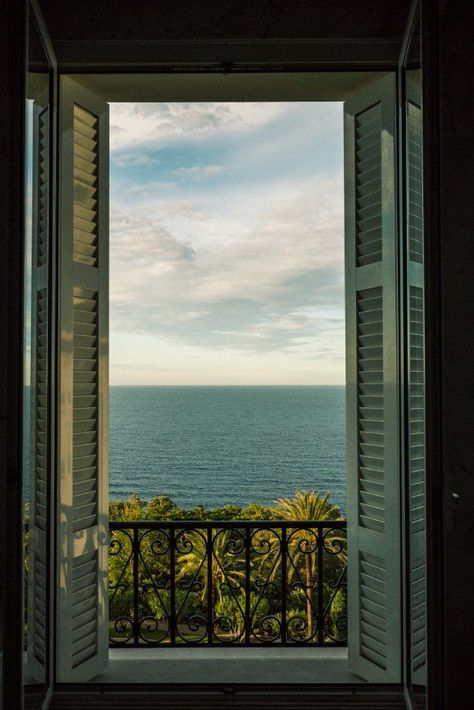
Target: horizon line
243, 384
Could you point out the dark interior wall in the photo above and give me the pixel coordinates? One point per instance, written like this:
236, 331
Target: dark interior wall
457, 323
223, 19
105, 33
449, 106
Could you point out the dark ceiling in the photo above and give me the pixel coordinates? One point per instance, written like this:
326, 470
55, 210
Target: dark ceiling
109, 26
224, 19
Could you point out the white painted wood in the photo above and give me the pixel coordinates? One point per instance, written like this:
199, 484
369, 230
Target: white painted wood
82, 608
373, 428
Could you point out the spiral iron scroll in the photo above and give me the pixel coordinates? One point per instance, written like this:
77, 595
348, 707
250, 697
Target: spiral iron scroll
229, 584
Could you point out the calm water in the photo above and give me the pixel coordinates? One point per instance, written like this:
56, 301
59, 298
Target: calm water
217, 445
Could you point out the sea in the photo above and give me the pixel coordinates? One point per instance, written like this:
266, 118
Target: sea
226, 444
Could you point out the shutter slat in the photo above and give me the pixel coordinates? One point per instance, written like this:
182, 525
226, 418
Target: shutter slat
370, 406
85, 166
368, 186
372, 257
416, 408
373, 599
84, 607
42, 189
85, 423
83, 389
38, 632
415, 176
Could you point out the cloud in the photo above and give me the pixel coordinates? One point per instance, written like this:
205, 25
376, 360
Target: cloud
182, 210
276, 286
198, 171
239, 277
133, 124
151, 188
135, 159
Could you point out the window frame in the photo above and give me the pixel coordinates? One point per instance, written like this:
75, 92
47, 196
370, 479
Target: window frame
17, 21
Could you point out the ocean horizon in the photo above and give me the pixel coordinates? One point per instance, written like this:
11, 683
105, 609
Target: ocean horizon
214, 445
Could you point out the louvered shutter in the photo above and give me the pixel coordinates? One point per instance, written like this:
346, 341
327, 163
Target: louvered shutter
83, 383
372, 385
39, 471
416, 381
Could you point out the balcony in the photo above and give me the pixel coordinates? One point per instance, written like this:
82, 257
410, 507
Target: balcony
228, 584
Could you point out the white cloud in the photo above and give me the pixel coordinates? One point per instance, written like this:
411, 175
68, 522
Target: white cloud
133, 124
151, 188
239, 280
135, 159
181, 210
146, 359
271, 287
198, 171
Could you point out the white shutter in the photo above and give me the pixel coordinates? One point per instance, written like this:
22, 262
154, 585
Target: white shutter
39, 470
83, 383
416, 383
374, 582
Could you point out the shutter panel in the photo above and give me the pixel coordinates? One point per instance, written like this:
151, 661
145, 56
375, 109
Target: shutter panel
372, 385
83, 417
416, 383
39, 470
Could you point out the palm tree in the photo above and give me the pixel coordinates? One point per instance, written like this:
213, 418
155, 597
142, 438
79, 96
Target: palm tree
227, 566
302, 543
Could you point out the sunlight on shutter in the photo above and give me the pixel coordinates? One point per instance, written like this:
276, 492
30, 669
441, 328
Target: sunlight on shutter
83, 601
85, 186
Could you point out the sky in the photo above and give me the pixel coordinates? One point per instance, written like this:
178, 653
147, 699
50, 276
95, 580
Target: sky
226, 244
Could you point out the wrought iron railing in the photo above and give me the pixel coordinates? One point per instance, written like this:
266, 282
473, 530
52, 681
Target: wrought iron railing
239, 582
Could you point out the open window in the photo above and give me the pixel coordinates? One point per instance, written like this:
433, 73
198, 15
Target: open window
374, 373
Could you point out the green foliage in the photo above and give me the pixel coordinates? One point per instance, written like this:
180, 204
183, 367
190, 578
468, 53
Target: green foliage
307, 505
256, 511
337, 614
164, 508
228, 566
131, 509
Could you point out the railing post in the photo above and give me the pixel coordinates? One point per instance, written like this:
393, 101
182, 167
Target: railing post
173, 619
247, 619
284, 588
136, 622
209, 585
320, 582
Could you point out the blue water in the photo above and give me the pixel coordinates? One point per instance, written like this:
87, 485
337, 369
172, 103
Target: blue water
218, 445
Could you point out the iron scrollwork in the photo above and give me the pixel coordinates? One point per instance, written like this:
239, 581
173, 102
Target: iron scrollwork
239, 582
